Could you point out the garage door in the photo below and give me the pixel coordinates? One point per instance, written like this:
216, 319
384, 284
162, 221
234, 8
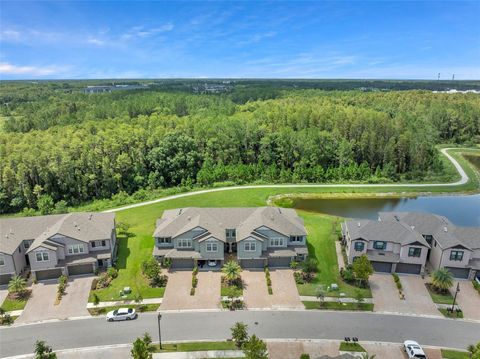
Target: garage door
461, 273
5, 278
408, 268
48, 274
182, 264
80, 269
384, 267
279, 262
253, 263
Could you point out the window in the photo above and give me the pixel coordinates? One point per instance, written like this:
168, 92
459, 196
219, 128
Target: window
296, 238
231, 233
26, 244
184, 243
42, 256
165, 240
75, 249
19, 249
2, 260
250, 247
104, 243
212, 247
414, 252
379, 245
276, 242
359, 246
456, 256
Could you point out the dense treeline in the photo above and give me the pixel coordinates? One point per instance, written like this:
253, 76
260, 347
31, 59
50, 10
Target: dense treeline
61, 146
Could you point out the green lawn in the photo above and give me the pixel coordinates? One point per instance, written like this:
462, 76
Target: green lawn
440, 298
196, 346
105, 310
322, 233
351, 347
453, 315
338, 306
454, 354
14, 304
235, 291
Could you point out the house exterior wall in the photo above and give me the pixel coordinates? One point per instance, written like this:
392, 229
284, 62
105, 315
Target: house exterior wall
99, 247
52, 259
435, 255
9, 267
390, 247
404, 258
301, 243
67, 241
202, 248
446, 262
242, 254
352, 253
19, 259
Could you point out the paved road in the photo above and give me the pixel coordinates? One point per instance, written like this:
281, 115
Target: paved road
216, 326
463, 179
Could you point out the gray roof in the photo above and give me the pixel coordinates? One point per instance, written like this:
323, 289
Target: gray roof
445, 232
389, 231
215, 221
81, 226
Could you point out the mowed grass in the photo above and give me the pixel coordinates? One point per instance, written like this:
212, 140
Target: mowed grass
13, 304
440, 298
338, 306
322, 233
196, 346
454, 354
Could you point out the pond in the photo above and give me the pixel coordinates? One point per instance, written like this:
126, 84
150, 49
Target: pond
463, 210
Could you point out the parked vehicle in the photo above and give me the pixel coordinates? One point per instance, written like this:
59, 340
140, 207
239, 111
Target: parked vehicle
212, 263
121, 314
413, 349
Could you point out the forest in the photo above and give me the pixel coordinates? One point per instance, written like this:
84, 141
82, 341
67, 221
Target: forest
61, 147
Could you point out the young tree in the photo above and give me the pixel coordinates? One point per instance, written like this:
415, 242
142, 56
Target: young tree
122, 227
442, 279
321, 294
140, 350
231, 270
363, 269
359, 297
17, 285
43, 351
96, 299
255, 348
239, 333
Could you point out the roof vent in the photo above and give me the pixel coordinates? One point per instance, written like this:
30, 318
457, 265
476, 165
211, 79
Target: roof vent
189, 218
358, 224
445, 229
75, 224
412, 227
90, 217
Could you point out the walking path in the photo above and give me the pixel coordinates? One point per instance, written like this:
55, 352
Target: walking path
463, 179
125, 302
340, 261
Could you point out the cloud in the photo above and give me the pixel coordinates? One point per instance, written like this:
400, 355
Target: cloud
143, 32
11, 69
95, 41
10, 35
258, 37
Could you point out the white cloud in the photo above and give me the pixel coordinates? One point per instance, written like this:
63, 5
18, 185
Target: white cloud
10, 35
142, 31
11, 69
95, 41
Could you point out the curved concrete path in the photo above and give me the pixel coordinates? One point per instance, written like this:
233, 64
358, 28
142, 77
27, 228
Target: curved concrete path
463, 179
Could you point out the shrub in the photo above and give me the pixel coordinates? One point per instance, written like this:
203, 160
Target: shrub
160, 281
269, 282
305, 356
298, 278
396, 278
194, 282
293, 265
192, 291
476, 285
151, 268
270, 290
239, 334
310, 265
347, 274
94, 284
96, 299
138, 298
142, 307
195, 270
112, 272
103, 281
6, 319
96, 271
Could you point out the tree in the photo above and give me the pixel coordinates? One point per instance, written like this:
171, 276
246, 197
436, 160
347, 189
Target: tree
474, 351
363, 269
239, 334
122, 227
141, 349
17, 285
442, 279
43, 351
310, 265
231, 270
359, 297
45, 204
255, 348
96, 299
321, 294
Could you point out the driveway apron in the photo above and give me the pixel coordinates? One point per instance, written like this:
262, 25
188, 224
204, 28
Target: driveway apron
469, 300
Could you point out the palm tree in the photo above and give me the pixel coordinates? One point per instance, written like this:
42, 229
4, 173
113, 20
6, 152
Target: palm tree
43, 351
442, 279
17, 285
232, 270
365, 355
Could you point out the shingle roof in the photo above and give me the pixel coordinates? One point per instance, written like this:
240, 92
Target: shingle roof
390, 231
81, 226
216, 220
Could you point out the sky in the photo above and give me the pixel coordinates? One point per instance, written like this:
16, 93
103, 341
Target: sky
247, 39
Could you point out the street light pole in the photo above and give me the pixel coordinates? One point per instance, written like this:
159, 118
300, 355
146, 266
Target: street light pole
455, 297
159, 317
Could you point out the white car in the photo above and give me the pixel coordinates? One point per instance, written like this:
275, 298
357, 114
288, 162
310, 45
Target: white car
413, 349
212, 263
121, 314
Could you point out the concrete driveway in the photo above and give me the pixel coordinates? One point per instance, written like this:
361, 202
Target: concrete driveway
41, 305
469, 300
285, 294
177, 294
386, 298
3, 295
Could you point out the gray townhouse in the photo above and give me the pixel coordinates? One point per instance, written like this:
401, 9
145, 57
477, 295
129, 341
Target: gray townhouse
49, 246
408, 242
256, 237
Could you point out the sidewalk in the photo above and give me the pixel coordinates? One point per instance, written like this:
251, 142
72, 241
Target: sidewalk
124, 302
340, 261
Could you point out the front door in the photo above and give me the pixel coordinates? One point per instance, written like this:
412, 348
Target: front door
27, 260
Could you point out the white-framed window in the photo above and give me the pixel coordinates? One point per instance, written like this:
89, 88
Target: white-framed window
75, 249
101, 243
296, 238
277, 242
165, 240
184, 243
2, 260
250, 246
231, 233
42, 256
212, 247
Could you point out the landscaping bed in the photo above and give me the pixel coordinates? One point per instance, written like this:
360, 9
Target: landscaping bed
454, 314
351, 347
338, 306
13, 302
439, 298
454, 354
196, 346
139, 308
